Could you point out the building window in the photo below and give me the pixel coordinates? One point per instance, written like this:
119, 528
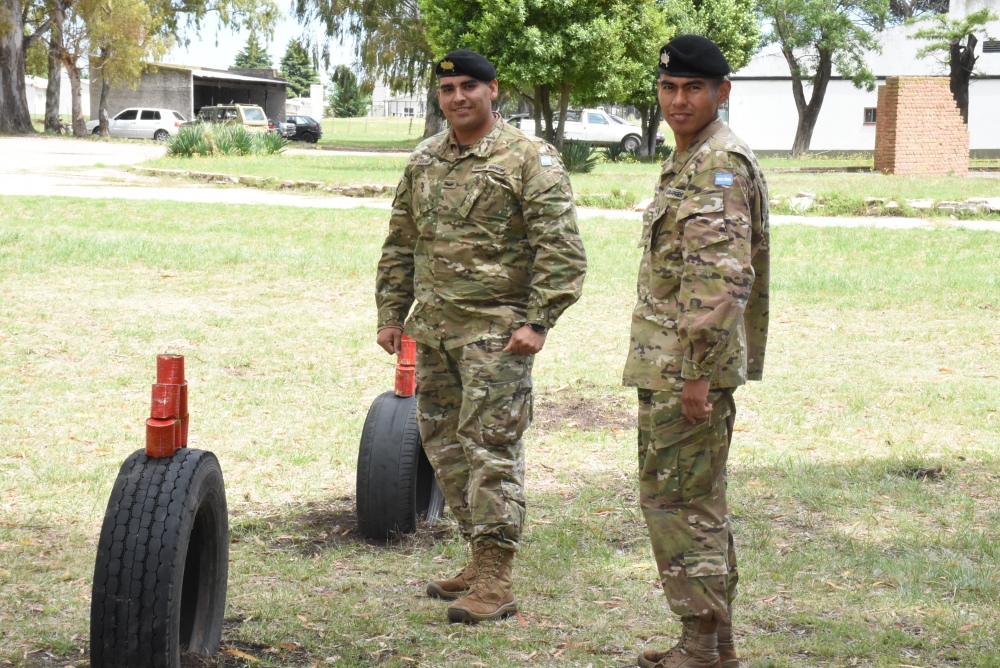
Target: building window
870, 115
991, 46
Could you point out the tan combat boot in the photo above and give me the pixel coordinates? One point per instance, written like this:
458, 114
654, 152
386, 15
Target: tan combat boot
491, 596
697, 648
727, 652
456, 587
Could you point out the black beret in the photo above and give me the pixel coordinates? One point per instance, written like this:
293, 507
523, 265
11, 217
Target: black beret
466, 63
693, 56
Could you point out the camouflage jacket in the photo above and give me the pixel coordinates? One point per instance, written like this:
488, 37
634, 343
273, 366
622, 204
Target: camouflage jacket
702, 310
483, 241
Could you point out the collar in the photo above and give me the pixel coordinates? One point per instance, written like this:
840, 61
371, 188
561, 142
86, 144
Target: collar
699, 139
484, 147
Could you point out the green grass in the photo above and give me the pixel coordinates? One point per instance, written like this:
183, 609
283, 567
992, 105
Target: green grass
881, 366
374, 133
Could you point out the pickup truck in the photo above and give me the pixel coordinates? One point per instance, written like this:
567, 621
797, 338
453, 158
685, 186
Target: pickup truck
594, 126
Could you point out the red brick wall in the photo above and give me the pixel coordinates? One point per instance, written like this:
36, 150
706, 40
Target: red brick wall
918, 128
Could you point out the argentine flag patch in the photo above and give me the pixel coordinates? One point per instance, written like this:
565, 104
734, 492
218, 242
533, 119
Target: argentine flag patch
545, 160
723, 179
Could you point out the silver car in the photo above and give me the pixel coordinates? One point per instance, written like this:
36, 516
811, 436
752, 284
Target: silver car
142, 123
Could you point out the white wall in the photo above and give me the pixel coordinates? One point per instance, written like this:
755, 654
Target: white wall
35, 90
762, 112
984, 100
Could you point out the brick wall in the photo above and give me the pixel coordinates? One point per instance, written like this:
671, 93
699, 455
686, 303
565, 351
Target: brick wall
918, 128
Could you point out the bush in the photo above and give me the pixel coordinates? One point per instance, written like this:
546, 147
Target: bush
615, 153
209, 140
579, 157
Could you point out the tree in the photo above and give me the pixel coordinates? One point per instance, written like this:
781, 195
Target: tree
732, 24
298, 69
345, 96
15, 40
815, 36
253, 56
901, 10
954, 41
588, 50
390, 44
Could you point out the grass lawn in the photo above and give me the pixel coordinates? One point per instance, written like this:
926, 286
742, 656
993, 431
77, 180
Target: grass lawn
374, 133
840, 193
863, 474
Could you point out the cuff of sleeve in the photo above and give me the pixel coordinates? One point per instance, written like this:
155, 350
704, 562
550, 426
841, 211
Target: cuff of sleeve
539, 316
691, 370
389, 319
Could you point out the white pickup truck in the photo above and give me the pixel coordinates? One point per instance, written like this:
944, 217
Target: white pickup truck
594, 126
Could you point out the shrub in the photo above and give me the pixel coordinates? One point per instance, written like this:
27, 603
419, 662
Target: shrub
615, 153
209, 140
271, 143
579, 157
186, 141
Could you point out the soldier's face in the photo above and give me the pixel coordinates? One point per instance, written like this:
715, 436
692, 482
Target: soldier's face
467, 103
690, 104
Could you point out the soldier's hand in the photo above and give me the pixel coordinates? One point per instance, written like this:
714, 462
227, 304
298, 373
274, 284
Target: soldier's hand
525, 341
389, 338
694, 400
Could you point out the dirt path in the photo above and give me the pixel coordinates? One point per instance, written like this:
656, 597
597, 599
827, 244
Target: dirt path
44, 167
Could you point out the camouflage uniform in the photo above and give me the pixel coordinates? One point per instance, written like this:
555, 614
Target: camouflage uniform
483, 241
702, 312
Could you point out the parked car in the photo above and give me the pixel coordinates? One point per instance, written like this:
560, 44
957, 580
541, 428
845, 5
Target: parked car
594, 126
249, 116
307, 128
618, 119
142, 123
283, 129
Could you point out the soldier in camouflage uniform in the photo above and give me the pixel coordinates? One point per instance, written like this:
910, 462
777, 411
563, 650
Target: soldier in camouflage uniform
698, 332
483, 244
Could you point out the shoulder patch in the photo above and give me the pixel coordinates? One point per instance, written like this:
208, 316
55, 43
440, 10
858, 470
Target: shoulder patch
545, 160
421, 161
496, 169
674, 192
723, 179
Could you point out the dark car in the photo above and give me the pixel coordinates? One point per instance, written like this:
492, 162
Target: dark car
306, 128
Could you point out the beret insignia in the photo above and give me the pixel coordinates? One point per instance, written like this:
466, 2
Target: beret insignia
447, 65
665, 59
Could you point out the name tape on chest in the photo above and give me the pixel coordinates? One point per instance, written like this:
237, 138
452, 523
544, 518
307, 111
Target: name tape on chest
496, 169
723, 179
675, 193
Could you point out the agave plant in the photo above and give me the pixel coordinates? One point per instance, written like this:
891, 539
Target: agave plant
579, 157
186, 141
270, 143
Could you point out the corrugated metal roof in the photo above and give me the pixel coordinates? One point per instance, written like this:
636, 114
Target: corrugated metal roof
229, 76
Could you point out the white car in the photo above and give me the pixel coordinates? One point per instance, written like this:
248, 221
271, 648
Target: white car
142, 123
597, 127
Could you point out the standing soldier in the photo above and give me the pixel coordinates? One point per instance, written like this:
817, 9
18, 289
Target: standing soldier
483, 243
698, 332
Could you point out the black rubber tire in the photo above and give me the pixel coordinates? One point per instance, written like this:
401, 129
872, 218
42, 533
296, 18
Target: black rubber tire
631, 143
395, 484
161, 135
162, 563
96, 131
307, 137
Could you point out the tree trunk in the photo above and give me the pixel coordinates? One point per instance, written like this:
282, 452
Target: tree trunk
546, 103
79, 126
434, 120
563, 108
102, 112
53, 123
14, 116
650, 120
808, 111
962, 63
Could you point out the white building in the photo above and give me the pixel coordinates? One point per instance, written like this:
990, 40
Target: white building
35, 90
762, 109
385, 103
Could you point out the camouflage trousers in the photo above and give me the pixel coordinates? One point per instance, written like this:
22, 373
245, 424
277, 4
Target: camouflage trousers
473, 404
682, 492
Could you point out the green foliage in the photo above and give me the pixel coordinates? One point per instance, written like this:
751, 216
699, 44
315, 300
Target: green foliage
345, 98
36, 60
618, 199
224, 140
253, 55
732, 24
298, 68
579, 157
941, 31
615, 153
815, 34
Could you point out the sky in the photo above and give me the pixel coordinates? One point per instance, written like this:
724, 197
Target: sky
216, 46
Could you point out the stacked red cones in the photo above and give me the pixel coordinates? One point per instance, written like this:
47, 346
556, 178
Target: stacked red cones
167, 426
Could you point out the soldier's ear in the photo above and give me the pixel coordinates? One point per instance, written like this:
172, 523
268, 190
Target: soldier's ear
494, 89
724, 89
